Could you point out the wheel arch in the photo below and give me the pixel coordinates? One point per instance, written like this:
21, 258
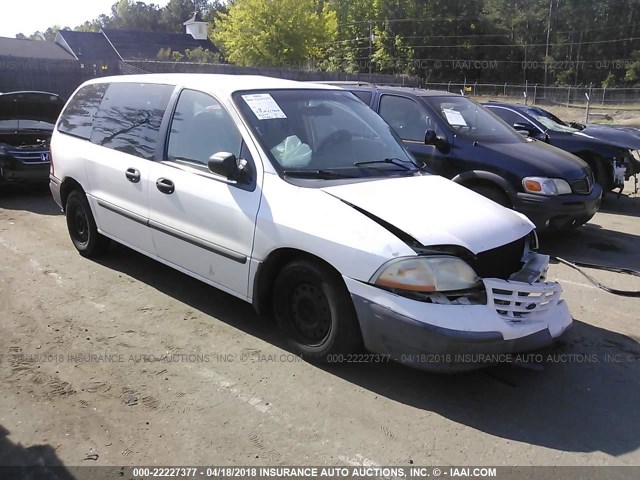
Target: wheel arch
68, 185
600, 165
268, 270
480, 177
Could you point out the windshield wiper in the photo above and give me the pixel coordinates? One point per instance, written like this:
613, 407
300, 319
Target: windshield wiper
388, 161
322, 174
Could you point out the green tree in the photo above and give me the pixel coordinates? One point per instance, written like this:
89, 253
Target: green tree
610, 81
633, 71
202, 55
275, 32
130, 15
48, 35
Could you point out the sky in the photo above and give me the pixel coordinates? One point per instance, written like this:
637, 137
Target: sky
27, 16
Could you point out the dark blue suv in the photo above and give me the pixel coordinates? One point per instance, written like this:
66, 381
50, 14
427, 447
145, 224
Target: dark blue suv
461, 140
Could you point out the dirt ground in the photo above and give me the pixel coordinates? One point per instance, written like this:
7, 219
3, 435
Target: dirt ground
233, 395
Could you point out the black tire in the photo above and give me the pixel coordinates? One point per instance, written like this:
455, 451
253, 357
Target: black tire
492, 193
315, 312
82, 226
603, 177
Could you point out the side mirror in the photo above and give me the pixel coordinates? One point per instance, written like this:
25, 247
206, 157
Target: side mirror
227, 165
430, 137
524, 127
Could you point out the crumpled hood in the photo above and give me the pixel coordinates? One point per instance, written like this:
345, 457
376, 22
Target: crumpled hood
436, 211
40, 106
625, 137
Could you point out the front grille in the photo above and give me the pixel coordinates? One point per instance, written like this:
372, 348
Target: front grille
29, 156
500, 262
517, 301
583, 185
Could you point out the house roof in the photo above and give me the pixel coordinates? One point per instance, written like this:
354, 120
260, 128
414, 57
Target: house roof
13, 47
86, 45
134, 45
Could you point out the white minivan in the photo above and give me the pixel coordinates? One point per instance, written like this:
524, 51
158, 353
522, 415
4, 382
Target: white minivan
300, 199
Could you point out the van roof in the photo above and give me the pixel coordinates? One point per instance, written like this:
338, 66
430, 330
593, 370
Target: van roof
364, 87
226, 84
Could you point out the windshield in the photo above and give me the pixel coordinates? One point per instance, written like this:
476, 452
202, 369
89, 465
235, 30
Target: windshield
550, 121
323, 133
471, 120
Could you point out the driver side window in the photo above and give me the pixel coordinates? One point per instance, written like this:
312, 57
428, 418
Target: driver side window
409, 120
510, 117
200, 128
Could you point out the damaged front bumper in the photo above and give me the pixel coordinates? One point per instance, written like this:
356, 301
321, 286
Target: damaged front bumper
521, 314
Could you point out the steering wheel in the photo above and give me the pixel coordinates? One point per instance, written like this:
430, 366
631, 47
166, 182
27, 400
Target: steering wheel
339, 136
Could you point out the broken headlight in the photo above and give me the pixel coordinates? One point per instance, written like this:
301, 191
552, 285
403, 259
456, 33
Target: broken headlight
426, 275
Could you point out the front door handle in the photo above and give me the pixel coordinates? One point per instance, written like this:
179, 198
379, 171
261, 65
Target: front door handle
132, 175
165, 186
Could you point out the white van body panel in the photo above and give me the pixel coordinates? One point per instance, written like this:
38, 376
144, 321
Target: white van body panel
310, 220
219, 217
120, 207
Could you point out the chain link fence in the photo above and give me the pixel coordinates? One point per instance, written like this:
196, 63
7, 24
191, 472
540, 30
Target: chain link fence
614, 98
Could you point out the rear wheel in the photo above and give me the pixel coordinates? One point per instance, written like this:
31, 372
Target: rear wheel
314, 310
492, 193
82, 226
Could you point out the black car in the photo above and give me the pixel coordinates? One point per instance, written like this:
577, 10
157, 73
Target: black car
605, 149
26, 124
461, 140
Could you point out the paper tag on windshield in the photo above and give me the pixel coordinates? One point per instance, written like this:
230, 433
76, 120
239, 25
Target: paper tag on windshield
264, 106
454, 118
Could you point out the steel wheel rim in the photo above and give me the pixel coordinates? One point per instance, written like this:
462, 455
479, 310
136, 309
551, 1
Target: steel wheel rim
80, 224
310, 314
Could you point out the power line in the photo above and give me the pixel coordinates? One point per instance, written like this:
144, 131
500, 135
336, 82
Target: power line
484, 61
495, 45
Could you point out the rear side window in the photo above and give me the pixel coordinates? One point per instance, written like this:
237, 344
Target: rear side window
77, 118
129, 118
508, 116
364, 96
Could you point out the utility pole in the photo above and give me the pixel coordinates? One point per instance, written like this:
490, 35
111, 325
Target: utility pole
370, 47
578, 59
546, 53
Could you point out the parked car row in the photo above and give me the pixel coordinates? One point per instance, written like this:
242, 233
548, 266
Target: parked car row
607, 150
556, 188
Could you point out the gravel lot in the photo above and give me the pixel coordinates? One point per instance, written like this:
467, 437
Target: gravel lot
252, 403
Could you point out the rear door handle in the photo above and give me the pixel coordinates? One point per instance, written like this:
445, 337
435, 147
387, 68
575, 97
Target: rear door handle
132, 175
165, 186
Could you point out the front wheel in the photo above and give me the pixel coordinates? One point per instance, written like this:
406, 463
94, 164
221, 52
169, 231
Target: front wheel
314, 310
493, 193
82, 226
